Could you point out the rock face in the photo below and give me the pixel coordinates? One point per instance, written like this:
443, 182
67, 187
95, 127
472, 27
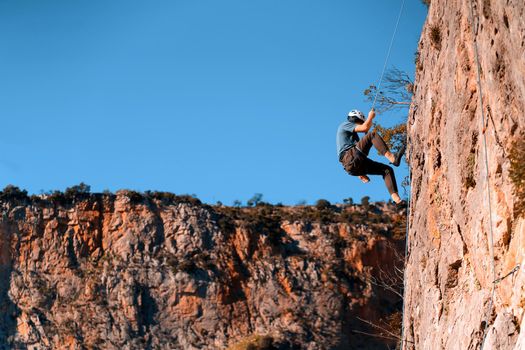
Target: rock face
449, 271
135, 272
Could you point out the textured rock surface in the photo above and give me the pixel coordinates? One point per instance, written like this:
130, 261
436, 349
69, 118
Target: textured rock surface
449, 273
127, 272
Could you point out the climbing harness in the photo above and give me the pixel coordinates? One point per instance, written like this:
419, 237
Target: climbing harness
491, 239
388, 54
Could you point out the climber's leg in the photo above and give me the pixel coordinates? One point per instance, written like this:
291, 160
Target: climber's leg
373, 138
375, 168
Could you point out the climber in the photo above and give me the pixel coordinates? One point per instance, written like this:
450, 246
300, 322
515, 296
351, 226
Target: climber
353, 152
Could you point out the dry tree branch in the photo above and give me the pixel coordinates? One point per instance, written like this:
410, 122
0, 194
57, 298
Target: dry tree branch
397, 92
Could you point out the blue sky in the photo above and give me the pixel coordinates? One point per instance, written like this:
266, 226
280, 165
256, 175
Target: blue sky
221, 99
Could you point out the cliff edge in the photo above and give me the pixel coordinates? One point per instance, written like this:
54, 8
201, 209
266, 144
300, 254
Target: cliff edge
158, 271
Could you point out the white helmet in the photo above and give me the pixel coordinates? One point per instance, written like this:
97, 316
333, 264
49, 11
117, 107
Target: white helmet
355, 114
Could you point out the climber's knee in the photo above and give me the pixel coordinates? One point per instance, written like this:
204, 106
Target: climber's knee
388, 170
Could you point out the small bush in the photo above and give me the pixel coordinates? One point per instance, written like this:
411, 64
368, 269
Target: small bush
426, 2
134, 197
57, 197
255, 200
79, 191
185, 198
365, 203
13, 193
171, 198
435, 36
322, 204
348, 201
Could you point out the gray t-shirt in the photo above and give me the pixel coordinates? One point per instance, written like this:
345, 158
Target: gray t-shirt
346, 137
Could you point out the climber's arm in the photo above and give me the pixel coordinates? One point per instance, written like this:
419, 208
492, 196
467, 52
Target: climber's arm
368, 122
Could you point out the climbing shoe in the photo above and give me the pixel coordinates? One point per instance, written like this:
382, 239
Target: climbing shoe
402, 205
399, 155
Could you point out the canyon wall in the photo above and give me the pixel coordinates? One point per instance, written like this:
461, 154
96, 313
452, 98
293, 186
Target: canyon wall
155, 271
449, 277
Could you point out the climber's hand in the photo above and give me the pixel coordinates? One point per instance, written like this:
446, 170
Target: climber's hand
372, 114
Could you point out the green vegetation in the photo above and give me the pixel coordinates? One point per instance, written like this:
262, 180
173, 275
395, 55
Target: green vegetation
13, 194
348, 201
365, 203
171, 198
323, 204
267, 219
255, 200
82, 192
79, 191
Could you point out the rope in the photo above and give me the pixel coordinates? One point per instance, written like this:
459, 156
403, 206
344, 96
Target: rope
405, 265
491, 239
388, 54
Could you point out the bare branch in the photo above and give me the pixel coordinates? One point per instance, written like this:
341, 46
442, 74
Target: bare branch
393, 335
397, 91
389, 335
374, 335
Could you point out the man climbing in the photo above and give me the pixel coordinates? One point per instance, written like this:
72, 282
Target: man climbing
353, 152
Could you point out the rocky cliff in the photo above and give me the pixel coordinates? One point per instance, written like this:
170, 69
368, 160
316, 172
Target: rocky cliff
156, 271
449, 302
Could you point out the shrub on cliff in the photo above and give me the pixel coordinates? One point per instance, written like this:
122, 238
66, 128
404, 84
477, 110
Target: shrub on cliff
134, 196
322, 204
435, 36
171, 198
13, 194
255, 200
56, 197
79, 191
365, 203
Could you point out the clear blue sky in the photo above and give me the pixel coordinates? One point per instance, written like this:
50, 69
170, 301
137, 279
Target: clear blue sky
221, 99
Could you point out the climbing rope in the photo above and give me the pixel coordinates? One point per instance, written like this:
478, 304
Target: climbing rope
388, 53
405, 263
491, 240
